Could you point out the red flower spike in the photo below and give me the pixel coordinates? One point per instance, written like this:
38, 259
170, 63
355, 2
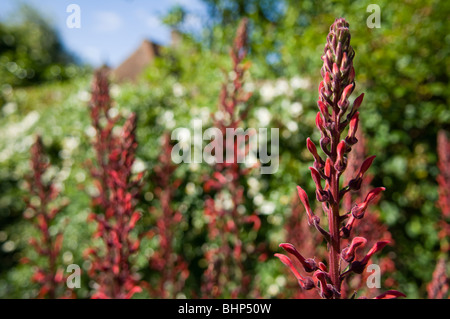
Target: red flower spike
308, 264
337, 85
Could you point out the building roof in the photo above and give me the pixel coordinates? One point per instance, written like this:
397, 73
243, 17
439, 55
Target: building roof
132, 67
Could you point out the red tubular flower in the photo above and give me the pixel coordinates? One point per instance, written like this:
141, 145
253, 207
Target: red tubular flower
359, 210
308, 264
348, 253
341, 161
359, 266
326, 290
327, 169
323, 110
357, 103
305, 283
305, 201
355, 183
313, 150
353, 127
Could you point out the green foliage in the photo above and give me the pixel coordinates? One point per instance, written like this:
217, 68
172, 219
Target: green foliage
31, 51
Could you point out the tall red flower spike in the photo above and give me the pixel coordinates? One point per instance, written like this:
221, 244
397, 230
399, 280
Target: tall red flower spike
50, 277
225, 275
114, 206
172, 268
336, 114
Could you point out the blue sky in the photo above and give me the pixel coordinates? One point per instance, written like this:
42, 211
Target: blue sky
110, 30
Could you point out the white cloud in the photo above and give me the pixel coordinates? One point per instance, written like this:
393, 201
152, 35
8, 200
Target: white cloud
150, 20
108, 21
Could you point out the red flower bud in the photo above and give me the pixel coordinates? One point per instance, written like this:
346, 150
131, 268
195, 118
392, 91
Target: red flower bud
357, 102
327, 169
313, 150
353, 127
319, 122
366, 165
316, 177
324, 110
335, 70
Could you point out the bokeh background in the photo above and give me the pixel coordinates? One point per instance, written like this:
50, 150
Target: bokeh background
45, 75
